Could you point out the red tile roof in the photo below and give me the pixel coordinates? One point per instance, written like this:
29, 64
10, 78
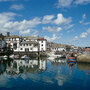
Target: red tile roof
40, 39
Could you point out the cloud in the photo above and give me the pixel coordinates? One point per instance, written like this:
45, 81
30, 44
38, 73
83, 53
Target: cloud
63, 3
53, 38
52, 29
75, 38
17, 7
86, 23
61, 20
7, 23
24, 32
88, 31
6, 16
83, 20
69, 26
47, 19
84, 16
82, 1
69, 3
84, 35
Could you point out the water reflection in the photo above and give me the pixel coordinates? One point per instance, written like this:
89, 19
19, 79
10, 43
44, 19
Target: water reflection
22, 66
83, 66
41, 72
57, 61
71, 64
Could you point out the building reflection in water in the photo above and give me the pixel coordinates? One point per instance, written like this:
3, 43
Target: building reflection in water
57, 61
83, 66
71, 64
63, 72
22, 66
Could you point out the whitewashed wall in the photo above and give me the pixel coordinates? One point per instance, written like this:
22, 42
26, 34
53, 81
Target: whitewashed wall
42, 48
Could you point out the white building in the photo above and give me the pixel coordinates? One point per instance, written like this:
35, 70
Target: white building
26, 44
58, 47
42, 44
13, 42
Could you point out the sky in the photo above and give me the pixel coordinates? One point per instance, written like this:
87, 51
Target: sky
60, 21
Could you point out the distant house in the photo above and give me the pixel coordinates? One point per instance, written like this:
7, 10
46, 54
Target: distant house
58, 47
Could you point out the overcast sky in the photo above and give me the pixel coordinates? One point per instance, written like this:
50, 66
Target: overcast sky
60, 21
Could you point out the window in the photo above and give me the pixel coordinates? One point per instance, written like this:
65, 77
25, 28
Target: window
15, 45
42, 41
15, 48
21, 48
26, 49
42, 44
42, 49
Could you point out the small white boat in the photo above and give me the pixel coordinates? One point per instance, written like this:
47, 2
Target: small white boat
12, 56
52, 54
5, 57
25, 57
16, 56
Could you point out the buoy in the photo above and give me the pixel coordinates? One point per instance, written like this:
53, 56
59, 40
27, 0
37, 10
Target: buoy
87, 73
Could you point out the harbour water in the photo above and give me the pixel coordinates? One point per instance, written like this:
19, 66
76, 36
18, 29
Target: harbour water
44, 74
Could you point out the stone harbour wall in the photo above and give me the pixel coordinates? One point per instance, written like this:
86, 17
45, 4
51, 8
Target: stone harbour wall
83, 58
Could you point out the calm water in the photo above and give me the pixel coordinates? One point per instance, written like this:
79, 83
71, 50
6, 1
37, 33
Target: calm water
44, 74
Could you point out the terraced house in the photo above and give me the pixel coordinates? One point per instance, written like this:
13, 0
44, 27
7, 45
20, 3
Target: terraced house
25, 44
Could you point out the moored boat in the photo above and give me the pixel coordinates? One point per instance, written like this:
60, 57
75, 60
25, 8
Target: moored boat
52, 54
12, 56
71, 57
25, 57
5, 57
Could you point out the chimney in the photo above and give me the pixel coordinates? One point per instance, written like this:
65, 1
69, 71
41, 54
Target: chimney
8, 34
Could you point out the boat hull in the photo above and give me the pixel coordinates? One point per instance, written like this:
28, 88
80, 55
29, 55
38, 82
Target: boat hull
71, 59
